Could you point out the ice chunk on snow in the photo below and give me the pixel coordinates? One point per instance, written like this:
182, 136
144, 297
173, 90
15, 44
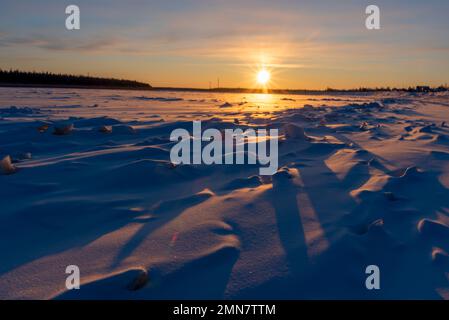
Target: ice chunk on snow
7, 166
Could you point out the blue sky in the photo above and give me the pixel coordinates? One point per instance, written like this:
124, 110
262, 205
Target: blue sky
305, 44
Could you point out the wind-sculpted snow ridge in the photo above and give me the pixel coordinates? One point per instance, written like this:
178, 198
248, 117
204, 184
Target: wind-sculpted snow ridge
362, 180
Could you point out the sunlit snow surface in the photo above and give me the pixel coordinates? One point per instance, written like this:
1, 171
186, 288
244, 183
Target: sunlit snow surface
363, 179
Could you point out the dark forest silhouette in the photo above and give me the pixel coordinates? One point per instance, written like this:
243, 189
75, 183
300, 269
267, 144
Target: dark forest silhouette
16, 77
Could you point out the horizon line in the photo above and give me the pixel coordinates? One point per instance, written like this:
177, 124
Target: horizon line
203, 89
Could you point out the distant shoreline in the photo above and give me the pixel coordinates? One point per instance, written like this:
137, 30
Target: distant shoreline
181, 89
214, 90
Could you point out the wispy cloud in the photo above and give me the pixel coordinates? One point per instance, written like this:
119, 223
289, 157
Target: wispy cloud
59, 43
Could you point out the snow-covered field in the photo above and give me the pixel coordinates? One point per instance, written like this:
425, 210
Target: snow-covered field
367, 185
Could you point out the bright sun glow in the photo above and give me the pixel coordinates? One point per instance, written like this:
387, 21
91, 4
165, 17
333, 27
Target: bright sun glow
263, 76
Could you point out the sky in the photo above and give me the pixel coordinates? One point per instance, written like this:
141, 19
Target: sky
192, 43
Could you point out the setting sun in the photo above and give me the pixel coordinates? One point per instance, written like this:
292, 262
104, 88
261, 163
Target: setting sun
263, 76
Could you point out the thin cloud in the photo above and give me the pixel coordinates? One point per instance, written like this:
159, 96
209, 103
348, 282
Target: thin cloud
60, 44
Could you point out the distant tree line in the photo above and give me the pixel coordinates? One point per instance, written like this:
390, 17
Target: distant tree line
47, 78
409, 89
